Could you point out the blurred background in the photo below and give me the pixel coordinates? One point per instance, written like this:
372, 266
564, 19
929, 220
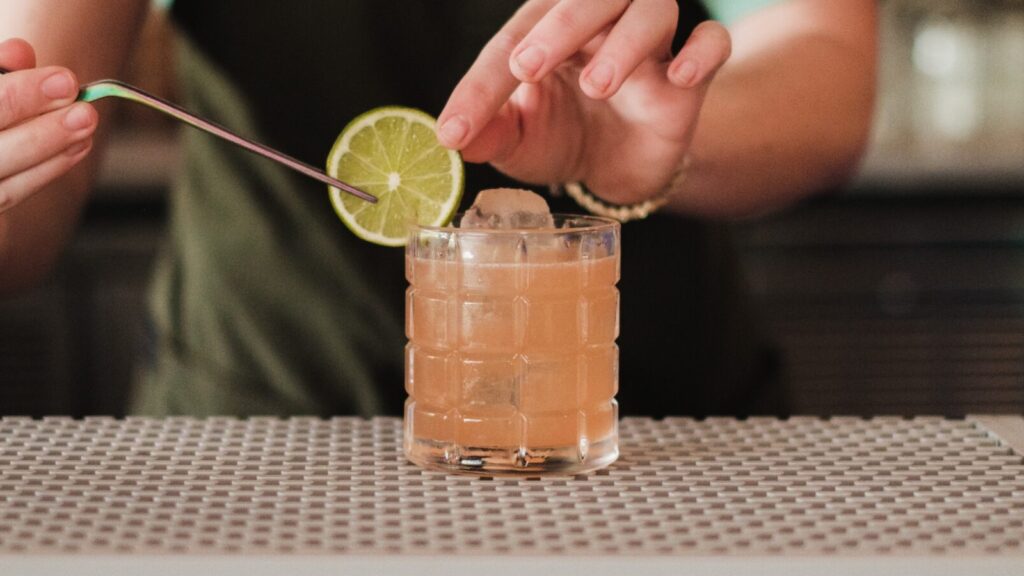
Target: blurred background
901, 294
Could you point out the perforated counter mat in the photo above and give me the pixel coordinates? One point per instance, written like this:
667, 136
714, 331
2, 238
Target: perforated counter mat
685, 496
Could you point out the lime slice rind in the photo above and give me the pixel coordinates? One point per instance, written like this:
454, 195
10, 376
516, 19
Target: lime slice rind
375, 147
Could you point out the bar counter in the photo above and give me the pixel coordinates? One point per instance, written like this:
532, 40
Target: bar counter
312, 496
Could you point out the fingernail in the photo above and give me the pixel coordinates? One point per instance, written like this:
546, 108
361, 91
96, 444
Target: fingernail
454, 130
59, 85
529, 61
686, 72
600, 76
77, 148
78, 117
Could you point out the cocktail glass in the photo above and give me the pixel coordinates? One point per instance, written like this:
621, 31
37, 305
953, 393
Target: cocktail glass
511, 364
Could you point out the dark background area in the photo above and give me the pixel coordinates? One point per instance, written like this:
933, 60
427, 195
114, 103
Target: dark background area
902, 294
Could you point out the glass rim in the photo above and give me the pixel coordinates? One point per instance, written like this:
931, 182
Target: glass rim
592, 224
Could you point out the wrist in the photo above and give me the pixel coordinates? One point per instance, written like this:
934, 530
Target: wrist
627, 212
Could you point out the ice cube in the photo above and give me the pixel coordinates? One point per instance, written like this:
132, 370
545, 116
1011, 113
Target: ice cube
508, 208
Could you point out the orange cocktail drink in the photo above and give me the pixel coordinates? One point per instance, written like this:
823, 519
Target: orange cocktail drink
511, 365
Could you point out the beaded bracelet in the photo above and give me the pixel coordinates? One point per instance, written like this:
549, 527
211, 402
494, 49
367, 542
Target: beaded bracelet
626, 212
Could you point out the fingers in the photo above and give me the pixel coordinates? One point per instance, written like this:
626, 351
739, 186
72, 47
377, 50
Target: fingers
43, 132
645, 29
560, 34
23, 184
29, 93
488, 83
707, 48
32, 142
16, 54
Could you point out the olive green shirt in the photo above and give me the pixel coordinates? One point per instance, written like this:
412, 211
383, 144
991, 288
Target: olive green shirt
264, 303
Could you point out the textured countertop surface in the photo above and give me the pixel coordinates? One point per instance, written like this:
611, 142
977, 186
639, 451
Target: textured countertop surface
308, 495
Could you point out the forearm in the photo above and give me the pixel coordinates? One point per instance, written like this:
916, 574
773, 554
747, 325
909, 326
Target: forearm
33, 233
787, 116
64, 33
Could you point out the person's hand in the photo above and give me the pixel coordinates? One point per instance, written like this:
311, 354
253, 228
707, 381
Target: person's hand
43, 132
577, 90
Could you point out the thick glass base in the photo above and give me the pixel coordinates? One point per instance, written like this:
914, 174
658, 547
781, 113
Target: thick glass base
558, 461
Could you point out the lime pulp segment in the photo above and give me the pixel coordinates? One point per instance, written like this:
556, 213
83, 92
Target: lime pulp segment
393, 153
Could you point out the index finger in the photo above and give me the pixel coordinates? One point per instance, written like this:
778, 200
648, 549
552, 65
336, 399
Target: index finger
28, 93
488, 83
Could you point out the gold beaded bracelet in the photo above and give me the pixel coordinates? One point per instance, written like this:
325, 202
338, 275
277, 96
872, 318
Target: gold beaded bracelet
627, 212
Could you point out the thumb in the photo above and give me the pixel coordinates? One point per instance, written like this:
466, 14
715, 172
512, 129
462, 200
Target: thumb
497, 139
707, 48
16, 54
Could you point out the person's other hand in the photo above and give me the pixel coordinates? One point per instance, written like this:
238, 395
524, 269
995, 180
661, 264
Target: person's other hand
43, 131
577, 90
